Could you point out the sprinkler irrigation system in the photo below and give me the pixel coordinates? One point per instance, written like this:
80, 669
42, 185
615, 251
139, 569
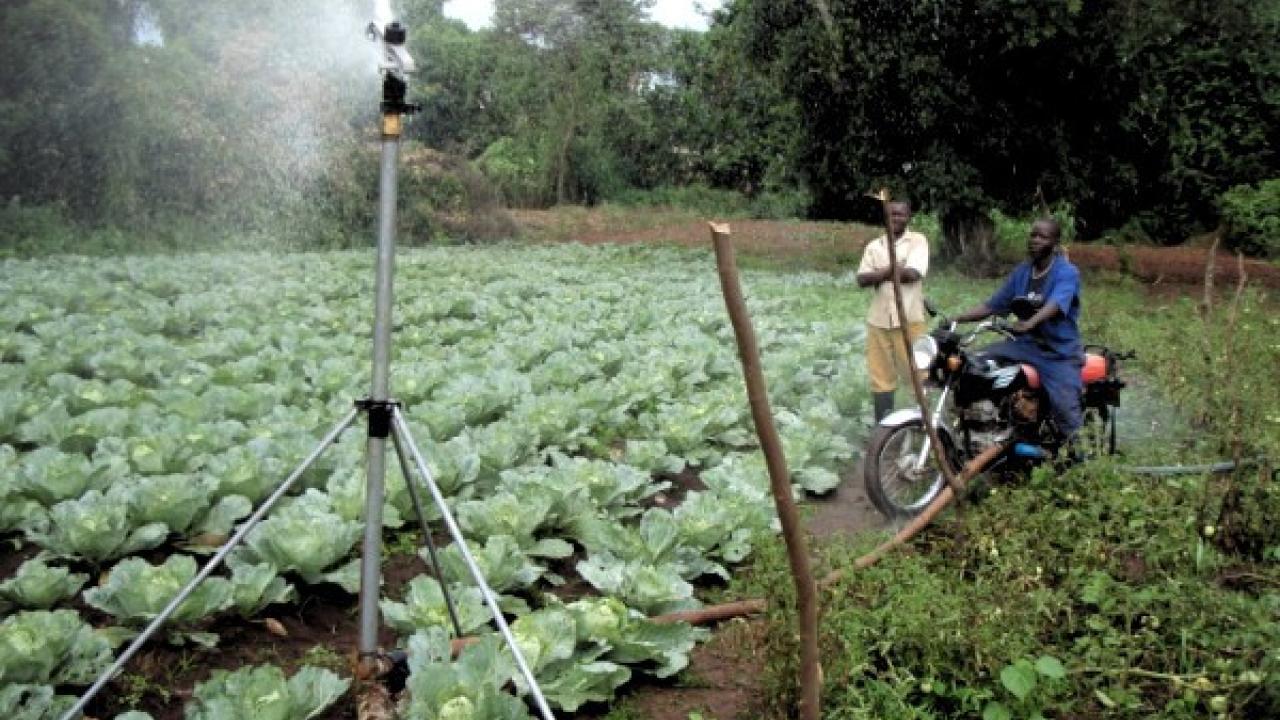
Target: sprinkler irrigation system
385, 420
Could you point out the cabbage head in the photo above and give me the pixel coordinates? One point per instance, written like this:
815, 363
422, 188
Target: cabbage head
53, 647
40, 586
136, 591
263, 693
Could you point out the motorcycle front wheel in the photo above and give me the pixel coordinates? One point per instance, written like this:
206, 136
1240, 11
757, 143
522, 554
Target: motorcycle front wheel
895, 486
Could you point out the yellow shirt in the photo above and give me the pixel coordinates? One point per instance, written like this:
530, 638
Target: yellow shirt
912, 249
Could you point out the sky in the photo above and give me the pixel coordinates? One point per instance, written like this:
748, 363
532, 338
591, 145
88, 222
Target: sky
672, 13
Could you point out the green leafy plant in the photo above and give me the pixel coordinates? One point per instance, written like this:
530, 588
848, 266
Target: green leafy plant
39, 586
54, 647
1252, 216
263, 691
33, 702
136, 592
95, 527
306, 537
468, 689
424, 607
1032, 685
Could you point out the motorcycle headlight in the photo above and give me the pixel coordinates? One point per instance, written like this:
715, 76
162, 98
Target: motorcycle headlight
923, 351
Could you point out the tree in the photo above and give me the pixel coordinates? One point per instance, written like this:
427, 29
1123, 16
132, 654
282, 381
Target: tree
990, 104
590, 56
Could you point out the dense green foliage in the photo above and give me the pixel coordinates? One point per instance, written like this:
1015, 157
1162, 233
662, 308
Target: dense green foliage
162, 116
1110, 575
1143, 111
1252, 217
1095, 593
190, 124
146, 404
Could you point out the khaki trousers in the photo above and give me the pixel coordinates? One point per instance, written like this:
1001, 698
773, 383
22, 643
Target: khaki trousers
887, 361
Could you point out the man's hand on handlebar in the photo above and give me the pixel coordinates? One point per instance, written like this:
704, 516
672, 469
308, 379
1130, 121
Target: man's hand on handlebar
1009, 329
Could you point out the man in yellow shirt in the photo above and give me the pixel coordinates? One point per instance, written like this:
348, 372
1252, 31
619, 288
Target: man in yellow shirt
887, 361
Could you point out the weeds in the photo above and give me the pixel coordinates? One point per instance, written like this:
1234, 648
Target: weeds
1095, 593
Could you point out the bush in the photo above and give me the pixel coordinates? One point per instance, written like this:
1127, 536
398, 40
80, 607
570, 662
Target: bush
28, 230
1011, 232
516, 169
775, 204
696, 198
1092, 594
781, 204
1251, 215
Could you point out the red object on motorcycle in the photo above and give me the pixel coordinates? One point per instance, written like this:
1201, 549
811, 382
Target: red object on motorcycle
1095, 368
1033, 377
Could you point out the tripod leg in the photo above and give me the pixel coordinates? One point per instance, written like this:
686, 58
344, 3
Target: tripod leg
208, 568
400, 429
411, 482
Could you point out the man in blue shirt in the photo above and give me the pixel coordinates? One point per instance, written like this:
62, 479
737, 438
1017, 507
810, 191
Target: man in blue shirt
1044, 292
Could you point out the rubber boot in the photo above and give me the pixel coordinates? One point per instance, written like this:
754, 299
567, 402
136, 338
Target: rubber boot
883, 403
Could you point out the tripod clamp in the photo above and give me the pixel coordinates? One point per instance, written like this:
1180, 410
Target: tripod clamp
379, 412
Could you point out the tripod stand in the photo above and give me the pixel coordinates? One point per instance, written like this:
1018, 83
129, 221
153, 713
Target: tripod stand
384, 420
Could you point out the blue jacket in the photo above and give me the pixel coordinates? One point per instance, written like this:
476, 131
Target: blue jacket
1061, 286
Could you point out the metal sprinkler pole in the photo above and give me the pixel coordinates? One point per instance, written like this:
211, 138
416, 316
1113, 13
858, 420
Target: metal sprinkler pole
385, 418
377, 405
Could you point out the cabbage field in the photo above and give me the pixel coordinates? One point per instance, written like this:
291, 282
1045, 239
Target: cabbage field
582, 409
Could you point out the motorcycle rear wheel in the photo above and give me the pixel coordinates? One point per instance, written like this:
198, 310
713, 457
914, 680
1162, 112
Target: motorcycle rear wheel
895, 487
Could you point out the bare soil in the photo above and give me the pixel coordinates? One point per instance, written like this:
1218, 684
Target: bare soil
783, 239
1174, 265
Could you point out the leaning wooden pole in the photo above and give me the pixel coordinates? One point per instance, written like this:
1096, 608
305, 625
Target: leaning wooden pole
921, 521
779, 478
926, 414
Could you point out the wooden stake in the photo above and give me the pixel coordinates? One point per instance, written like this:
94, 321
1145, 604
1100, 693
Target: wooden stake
701, 616
712, 613
921, 521
779, 478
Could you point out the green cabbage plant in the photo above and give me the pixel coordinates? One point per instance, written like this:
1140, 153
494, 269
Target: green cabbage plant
137, 591
467, 689
96, 528
424, 607
39, 586
305, 537
263, 692
53, 647
33, 702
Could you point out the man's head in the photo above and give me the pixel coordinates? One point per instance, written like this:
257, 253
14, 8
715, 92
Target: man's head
1043, 240
899, 216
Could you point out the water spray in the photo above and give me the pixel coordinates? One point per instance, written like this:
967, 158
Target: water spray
385, 420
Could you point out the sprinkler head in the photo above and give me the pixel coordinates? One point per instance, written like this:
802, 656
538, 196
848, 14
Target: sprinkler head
395, 57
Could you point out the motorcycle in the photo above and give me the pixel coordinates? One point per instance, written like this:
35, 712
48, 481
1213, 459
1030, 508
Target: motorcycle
983, 401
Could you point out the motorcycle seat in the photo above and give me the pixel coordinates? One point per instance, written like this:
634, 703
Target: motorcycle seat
1094, 369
